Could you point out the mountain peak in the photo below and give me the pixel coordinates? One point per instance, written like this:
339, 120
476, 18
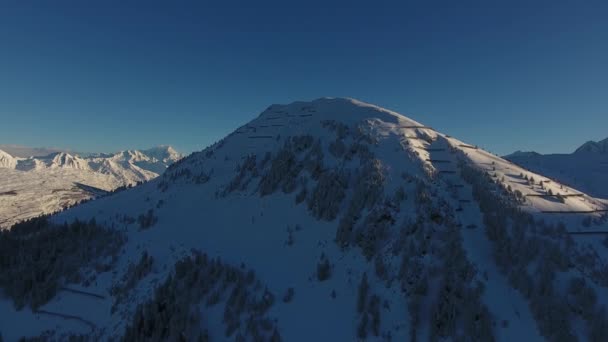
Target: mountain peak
21, 151
3, 154
591, 146
65, 160
364, 205
164, 153
43, 184
345, 110
7, 160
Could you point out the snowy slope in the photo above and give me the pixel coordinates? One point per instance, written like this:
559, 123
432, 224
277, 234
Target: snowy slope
7, 161
24, 195
130, 166
40, 185
333, 220
585, 169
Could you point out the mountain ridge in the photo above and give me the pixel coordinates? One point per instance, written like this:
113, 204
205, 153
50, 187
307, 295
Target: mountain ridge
325, 220
585, 168
20, 151
138, 165
591, 146
46, 184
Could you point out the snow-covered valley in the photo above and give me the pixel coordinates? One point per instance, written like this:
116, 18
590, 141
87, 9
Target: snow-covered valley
329, 220
33, 186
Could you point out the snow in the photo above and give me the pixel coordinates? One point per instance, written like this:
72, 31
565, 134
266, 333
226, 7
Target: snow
33, 186
537, 197
586, 169
243, 227
7, 161
26, 152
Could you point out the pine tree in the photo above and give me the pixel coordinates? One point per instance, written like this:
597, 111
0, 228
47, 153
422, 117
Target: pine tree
363, 290
275, 336
323, 268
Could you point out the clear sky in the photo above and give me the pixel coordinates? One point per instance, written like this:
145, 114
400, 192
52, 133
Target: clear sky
108, 75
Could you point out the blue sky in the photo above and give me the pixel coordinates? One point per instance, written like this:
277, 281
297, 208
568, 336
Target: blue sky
109, 75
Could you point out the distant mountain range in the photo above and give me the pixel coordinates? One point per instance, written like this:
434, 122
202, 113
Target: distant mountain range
42, 184
26, 151
599, 147
586, 168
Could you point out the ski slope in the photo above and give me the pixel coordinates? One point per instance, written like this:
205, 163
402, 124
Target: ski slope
586, 168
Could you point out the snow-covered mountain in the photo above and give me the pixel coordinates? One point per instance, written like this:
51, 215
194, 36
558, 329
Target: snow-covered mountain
330, 220
129, 166
39, 185
58, 160
7, 161
21, 151
586, 168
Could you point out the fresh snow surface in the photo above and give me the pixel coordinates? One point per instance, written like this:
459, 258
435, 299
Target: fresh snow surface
586, 169
33, 186
199, 205
7, 161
